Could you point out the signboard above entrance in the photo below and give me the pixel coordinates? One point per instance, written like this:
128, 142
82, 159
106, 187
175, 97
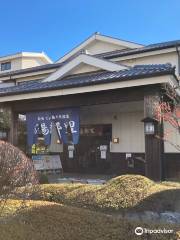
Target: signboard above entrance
94, 130
66, 122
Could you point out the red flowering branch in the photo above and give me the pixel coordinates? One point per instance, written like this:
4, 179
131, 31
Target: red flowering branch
169, 111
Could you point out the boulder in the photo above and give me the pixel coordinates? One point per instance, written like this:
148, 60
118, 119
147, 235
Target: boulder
170, 217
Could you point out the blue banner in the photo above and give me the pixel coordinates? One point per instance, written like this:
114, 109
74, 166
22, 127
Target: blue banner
65, 120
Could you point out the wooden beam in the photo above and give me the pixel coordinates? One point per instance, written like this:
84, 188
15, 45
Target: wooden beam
13, 132
154, 146
83, 99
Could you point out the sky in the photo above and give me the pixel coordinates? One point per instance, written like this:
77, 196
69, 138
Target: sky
56, 26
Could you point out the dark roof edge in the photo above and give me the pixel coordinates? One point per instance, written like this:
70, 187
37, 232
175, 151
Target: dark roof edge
31, 70
134, 51
149, 75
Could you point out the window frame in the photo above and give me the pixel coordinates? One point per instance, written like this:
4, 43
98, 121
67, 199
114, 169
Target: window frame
5, 66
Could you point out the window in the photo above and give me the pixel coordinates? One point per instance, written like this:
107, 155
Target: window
5, 66
3, 135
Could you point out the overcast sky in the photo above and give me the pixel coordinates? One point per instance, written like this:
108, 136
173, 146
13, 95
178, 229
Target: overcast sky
57, 26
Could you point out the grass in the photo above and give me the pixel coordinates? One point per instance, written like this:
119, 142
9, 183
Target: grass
42, 220
127, 192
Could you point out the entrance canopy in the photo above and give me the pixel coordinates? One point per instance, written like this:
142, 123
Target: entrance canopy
139, 75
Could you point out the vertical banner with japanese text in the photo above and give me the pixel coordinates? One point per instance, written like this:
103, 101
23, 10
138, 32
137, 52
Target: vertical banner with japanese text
65, 120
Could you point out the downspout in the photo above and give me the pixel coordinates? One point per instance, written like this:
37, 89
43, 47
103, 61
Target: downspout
178, 55
14, 80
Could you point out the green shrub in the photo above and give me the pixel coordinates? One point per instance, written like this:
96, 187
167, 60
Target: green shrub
127, 192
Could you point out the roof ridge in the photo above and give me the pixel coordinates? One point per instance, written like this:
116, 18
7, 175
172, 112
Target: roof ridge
163, 66
153, 65
89, 80
166, 42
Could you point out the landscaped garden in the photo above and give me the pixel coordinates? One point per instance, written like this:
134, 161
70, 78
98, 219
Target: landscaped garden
82, 211
42, 220
123, 193
32, 211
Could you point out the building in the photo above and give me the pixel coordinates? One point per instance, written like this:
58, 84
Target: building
112, 84
19, 61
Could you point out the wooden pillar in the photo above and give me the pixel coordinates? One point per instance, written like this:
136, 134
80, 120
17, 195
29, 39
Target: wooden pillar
154, 146
13, 131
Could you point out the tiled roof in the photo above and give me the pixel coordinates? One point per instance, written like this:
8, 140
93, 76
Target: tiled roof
106, 55
136, 72
32, 69
148, 48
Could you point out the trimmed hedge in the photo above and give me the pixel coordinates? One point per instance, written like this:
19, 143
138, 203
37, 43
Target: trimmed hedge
44, 220
127, 192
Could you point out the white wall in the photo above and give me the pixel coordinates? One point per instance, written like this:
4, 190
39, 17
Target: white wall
154, 59
6, 84
173, 137
82, 68
130, 131
15, 64
28, 62
23, 62
97, 47
126, 124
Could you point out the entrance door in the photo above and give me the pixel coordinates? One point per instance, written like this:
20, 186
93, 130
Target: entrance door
92, 152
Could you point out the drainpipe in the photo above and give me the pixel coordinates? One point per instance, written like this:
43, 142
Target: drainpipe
178, 55
14, 80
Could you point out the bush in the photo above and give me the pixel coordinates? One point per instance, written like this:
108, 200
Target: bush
44, 220
15, 170
131, 181
127, 192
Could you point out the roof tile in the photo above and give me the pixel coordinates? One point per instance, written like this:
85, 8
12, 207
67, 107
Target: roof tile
138, 71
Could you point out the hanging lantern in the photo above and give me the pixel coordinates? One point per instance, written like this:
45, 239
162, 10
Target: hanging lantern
149, 126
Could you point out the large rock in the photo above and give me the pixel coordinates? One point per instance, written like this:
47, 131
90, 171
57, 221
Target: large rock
150, 216
170, 217
133, 216
177, 206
